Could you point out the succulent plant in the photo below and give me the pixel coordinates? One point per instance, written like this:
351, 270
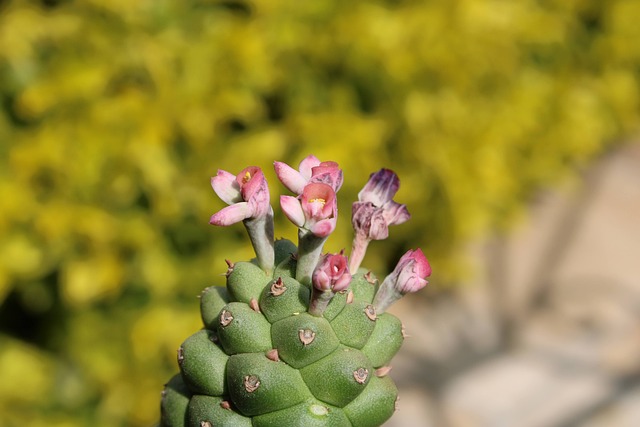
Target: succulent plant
297, 337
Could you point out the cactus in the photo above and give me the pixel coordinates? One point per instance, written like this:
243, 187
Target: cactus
297, 337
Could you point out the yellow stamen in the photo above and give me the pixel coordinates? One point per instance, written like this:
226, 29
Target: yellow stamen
246, 178
319, 200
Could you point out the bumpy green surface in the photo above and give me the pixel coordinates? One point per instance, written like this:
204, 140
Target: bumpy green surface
175, 399
262, 360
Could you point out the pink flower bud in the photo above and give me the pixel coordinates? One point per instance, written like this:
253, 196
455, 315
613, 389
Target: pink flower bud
411, 272
331, 273
409, 276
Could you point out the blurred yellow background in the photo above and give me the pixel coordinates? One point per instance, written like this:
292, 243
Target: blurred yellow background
114, 114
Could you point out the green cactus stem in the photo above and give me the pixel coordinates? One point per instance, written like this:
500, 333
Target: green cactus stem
212, 299
339, 377
385, 340
203, 364
258, 385
303, 339
245, 281
296, 338
283, 297
355, 323
374, 405
211, 411
174, 402
312, 413
243, 330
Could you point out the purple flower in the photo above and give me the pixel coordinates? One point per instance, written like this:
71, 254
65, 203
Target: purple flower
375, 210
332, 273
314, 210
247, 195
310, 170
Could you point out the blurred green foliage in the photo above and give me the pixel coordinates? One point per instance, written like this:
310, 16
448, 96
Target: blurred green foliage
114, 114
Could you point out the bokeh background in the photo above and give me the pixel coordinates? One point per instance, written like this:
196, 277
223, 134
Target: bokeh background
115, 114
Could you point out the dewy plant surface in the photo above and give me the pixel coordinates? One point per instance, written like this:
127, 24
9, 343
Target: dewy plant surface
297, 337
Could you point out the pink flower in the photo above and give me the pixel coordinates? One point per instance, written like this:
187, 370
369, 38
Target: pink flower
375, 210
310, 170
247, 195
314, 210
332, 273
411, 272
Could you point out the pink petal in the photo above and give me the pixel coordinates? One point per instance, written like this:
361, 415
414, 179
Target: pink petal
379, 229
306, 166
331, 273
231, 214
290, 178
226, 187
342, 283
254, 190
328, 173
292, 209
323, 227
250, 179
395, 213
319, 201
380, 188
422, 267
259, 202
413, 285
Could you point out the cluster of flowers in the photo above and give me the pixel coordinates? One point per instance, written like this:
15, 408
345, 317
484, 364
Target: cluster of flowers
314, 211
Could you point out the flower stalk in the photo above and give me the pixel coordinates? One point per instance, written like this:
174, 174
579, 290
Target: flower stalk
309, 250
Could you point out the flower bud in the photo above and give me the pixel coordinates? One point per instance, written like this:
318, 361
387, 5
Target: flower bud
332, 273
411, 272
330, 276
409, 276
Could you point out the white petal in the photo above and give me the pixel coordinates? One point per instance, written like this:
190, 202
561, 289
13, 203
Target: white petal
226, 187
231, 214
292, 209
290, 178
323, 227
307, 164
